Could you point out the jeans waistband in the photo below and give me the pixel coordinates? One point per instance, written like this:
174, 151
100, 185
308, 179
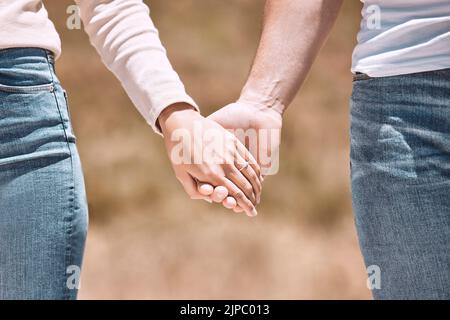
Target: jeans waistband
11, 56
27, 67
363, 76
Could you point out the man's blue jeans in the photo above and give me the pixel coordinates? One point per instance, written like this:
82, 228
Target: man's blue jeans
400, 171
43, 208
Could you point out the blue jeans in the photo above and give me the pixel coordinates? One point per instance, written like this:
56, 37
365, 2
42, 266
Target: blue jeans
43, 208
400, 172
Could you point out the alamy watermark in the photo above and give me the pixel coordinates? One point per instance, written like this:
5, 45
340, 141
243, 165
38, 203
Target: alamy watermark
73, 277
373, 17
374, 277
74, 19
214, 146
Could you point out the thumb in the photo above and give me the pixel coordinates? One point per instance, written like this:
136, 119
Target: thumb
221, 113
214, 116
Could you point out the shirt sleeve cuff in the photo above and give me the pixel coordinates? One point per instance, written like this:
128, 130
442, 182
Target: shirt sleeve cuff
157, 108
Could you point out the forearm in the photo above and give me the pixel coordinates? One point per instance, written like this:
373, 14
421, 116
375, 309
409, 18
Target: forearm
293, 33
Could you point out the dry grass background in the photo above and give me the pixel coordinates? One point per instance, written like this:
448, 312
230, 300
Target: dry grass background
147, 239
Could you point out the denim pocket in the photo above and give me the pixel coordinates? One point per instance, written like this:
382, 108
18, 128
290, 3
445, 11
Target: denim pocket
48, 87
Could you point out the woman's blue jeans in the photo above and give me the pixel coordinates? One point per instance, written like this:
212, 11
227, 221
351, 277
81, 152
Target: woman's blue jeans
400, 172
43, 208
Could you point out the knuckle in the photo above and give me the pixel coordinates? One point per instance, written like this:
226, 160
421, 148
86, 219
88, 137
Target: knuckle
252, 175
239, 195
209, 172
216, 173
205, 171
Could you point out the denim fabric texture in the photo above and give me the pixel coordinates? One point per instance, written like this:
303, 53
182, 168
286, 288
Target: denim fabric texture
43, 207
400, 174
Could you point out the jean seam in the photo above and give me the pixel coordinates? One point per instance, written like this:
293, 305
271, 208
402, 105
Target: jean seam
69, 116
47, 87
68, 219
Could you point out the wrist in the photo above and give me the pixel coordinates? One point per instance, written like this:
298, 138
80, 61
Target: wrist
171, 114
262, 101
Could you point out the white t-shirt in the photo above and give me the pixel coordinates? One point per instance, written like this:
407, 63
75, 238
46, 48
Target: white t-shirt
403, 36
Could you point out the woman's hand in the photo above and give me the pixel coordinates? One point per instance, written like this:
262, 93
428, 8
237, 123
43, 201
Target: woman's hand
201, 151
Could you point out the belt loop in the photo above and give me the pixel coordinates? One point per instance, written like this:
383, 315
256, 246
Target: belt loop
50, 58
360, 76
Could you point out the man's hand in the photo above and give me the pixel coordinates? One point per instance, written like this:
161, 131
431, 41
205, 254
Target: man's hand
257, 127
201, 151
292, 35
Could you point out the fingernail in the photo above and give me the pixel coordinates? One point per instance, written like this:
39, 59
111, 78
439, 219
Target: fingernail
254, 212
208, 200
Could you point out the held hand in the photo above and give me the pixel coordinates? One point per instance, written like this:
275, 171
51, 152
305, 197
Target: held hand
266, 125
257, 127
218, 194
201, 151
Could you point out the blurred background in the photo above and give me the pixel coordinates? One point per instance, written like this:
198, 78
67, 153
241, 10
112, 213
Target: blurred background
147, 239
